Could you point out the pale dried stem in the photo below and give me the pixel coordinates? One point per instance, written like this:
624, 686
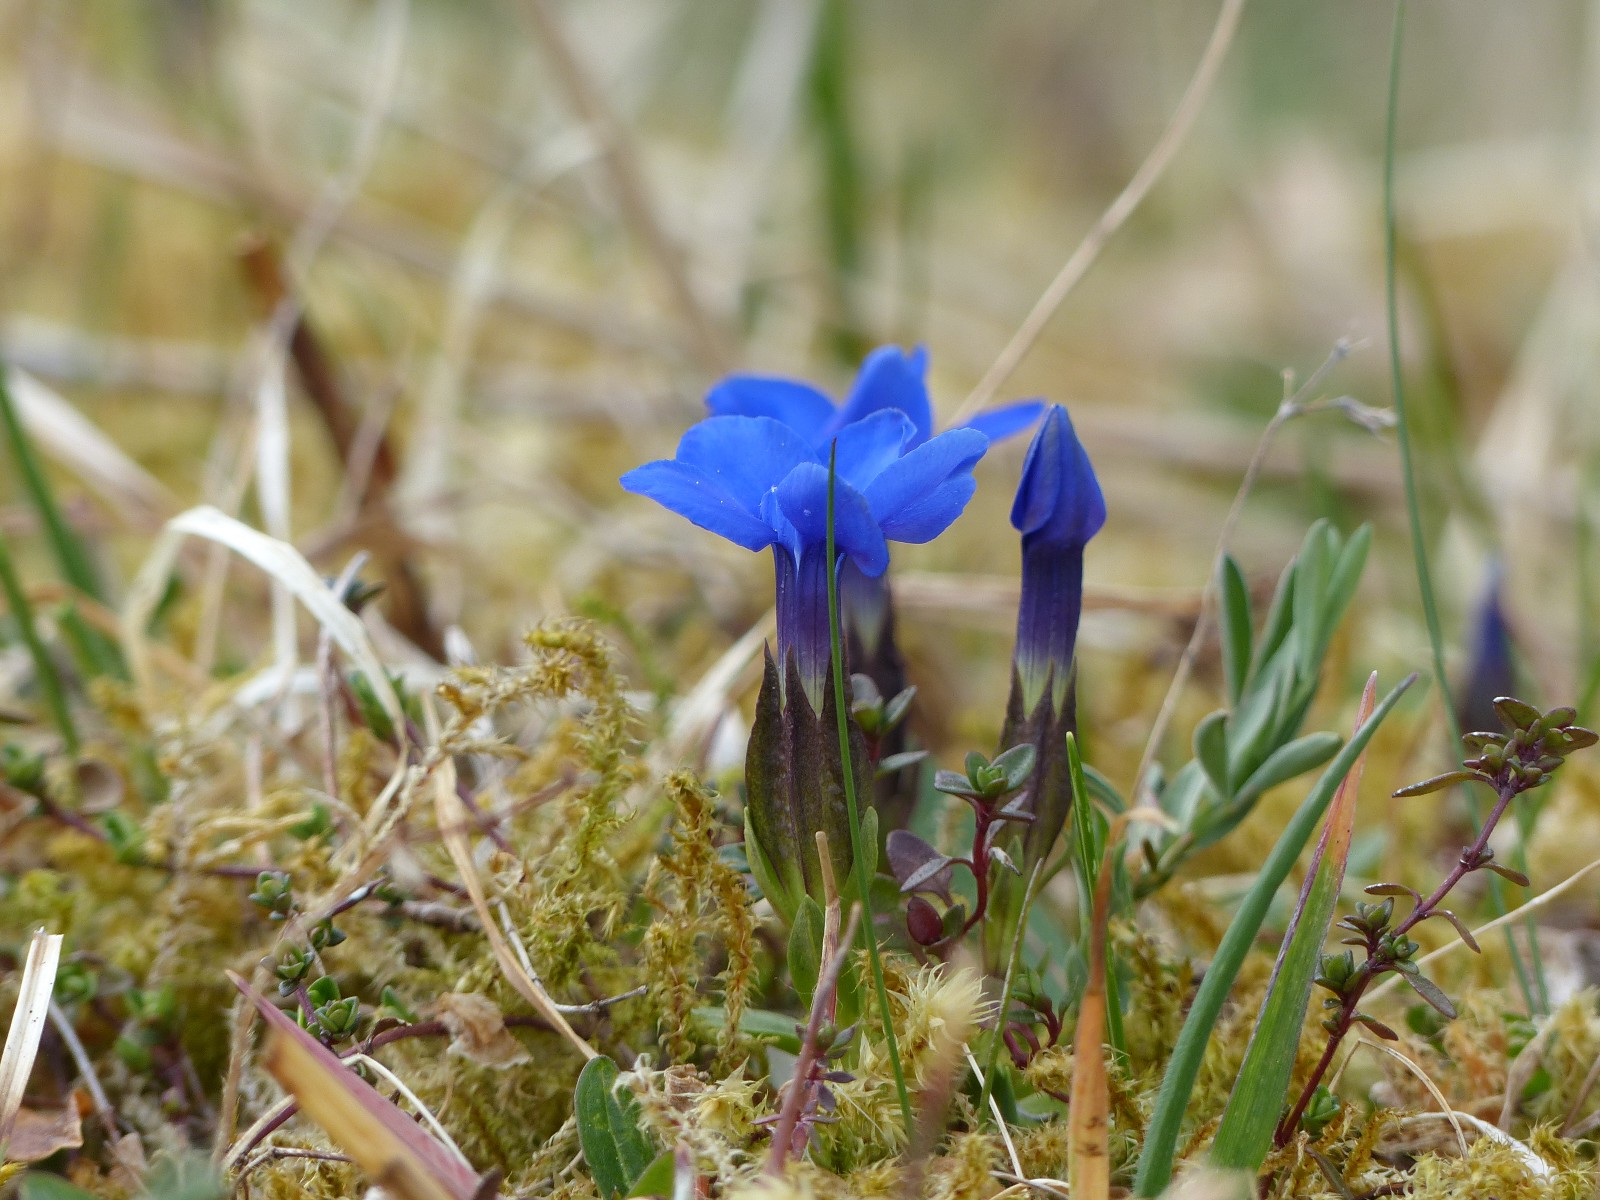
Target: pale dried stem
1112, 219
628, 181
1295, 403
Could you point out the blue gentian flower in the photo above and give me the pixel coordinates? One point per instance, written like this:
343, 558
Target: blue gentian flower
889, 378
759, 482
1059, 507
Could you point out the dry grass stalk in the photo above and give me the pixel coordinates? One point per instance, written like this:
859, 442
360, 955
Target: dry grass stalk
27, 1026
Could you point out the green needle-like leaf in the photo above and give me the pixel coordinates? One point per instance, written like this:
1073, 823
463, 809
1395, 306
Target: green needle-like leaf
1245, 1135
1161, 1137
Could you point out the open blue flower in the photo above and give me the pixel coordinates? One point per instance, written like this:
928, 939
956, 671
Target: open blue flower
759, 482
1059, 507
889, 378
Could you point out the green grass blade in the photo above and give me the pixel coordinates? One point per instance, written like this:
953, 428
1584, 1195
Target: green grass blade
1161, 1136
76, 567
49, 683
1245, 1135
1531, 987
857, 851
96, 653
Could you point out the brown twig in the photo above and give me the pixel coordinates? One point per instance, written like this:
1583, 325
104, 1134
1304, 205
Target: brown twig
810, 1054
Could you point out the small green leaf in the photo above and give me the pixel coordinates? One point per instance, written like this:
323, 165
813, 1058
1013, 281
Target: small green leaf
1437, 784
614, 1145
1211, 750
1236, 632
897, 762
1430, 992
1346, 577
1393, 889
657, 1179
1466, 934
805, 948
953, 783
1017, 763
1505, 872
775, 1028
1517, 714
1280, 620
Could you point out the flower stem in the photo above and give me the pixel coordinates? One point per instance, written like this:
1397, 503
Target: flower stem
859, 865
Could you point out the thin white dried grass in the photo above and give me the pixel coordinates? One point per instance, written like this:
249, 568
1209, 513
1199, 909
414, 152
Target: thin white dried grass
287, 568
27, 1025
1445, 1111
1537, 1167
70, 438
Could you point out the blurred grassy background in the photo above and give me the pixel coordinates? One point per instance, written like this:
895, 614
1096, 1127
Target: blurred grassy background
530, 300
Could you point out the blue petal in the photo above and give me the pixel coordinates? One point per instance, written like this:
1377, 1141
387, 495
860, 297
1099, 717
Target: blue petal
868, 446
927, 518
1059, 498
803, 499
687, 492
910, 479
891, 378
798, 405
745, 456
997, 424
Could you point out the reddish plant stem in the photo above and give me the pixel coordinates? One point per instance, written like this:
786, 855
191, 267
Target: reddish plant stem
1378, 963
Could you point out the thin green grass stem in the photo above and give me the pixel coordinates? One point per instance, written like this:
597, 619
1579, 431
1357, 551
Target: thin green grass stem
859, 866
1419, 546
96, 654
76, 568
1183, 1068
49, 683
997, 1039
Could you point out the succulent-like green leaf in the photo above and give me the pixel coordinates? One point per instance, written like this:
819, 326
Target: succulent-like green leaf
1211, 750
1236, 631
1437, 784
1429, 991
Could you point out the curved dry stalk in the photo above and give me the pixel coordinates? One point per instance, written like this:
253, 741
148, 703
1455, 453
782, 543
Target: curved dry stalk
628, 181
1295, 403
1161, 154
27, 1025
